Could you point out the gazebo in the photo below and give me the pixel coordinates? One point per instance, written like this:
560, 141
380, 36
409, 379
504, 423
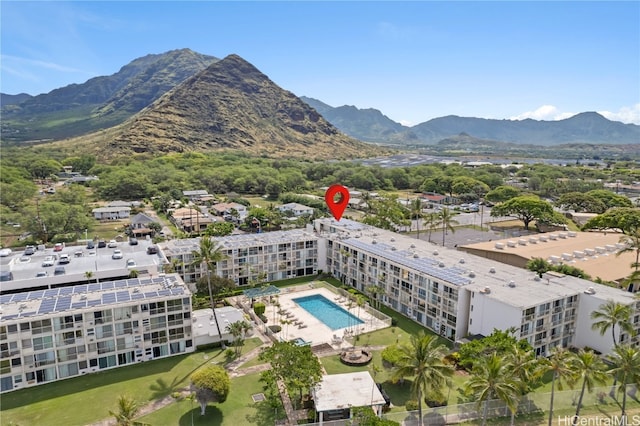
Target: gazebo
336, 394
256, 292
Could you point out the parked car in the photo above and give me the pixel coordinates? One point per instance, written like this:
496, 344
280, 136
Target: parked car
117, 254
133, 241
112, 244
6, 276
29, 250
25, 259
42, 274
102, 244
64, 259
58, 247
131, 264
90, 245
59, 270
152, 249
5, 252
48, 261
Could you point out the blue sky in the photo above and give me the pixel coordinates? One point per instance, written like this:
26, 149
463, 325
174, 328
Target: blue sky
411, 60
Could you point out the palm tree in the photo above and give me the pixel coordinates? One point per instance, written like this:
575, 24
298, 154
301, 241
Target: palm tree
632, 244
432, 222
626, 369
561, 368
525, 368
447, 221
415, 210
127, 410
374, 291
208, 255
492, 377
538, 265
238, 329
611, 314
423, 358
590, 369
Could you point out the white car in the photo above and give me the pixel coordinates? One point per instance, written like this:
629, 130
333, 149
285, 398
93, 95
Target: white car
112, 244
49, 261
117, 254
131, 264
5, 252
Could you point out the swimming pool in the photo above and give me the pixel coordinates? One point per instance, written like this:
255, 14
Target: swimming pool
332, 315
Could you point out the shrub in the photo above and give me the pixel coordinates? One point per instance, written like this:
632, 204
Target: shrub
411, 405
259, 308
390, 355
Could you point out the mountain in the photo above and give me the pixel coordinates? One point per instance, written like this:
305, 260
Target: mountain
13, 99
232, 105
371, 125
368, 124
100, 102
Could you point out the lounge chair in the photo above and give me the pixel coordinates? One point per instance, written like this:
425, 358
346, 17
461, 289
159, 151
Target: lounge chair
302, 325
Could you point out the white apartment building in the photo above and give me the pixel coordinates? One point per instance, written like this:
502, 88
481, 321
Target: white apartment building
48, 335
458, 295
250, 258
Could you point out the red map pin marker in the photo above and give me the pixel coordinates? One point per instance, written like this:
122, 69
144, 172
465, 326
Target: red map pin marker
337, 198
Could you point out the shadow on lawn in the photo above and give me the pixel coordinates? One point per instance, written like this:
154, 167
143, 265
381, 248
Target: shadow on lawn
265, 413
61, 388
212, 416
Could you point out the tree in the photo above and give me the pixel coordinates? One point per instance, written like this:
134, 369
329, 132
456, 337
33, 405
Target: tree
492, 378
501, 342
580, 202
375, 291
207, 257
626, 370
415, 208
433, 222
538, 265
127, 410
210, 384
219, 229
502, 194
625, 219
386, 213
527, 208
296, 366
632, 244
423, 359
447, 221
238, 330
610, 198
561, 368
612, 314
590, 369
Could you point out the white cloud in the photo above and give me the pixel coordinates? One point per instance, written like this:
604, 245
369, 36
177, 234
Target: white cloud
551, 113
545, 112
406, 123
625, 114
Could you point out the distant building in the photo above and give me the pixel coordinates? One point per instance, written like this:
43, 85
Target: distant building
111, 213
296, 209
204, 324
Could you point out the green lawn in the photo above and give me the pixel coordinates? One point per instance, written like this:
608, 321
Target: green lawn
81, 400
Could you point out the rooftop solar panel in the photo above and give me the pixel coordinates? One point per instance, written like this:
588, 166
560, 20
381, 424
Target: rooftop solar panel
123, 296
151, 294
108, 285
28, 314
165, 292
64, 303
34, 295
20, 297
8, 317
6, 298
137, 296
51, 293
94, 302
80, 288
108, 298
65, 290
79, 305
120, 284
94, 287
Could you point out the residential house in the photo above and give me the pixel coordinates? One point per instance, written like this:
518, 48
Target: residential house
295, 209
111, 213
226, 210
140, 225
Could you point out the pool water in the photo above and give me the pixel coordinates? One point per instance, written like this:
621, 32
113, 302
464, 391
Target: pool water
330, 314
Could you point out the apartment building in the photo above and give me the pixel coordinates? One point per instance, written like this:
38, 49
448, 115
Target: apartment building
48, 335
457, 295
251, 258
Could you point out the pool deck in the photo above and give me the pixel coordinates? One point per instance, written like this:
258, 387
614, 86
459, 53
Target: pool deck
305, 326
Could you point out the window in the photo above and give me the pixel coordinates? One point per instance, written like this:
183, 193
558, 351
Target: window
40, 343
104, 331
156, 308
174, 305
102, 317
158, 322
106, 346
40, 327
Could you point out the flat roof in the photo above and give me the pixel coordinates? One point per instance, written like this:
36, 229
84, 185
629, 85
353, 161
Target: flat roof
204, 322
340, 391
78, 298
596, 251
465, 270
